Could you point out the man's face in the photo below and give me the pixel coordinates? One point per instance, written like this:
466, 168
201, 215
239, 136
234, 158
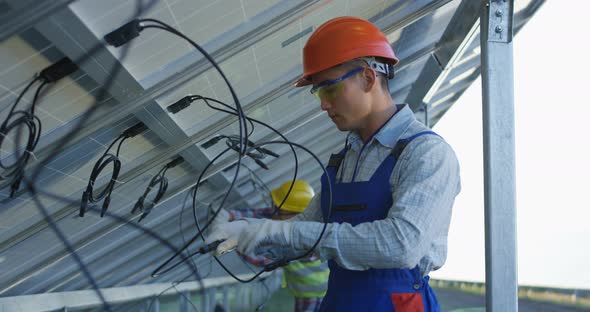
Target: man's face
346, 103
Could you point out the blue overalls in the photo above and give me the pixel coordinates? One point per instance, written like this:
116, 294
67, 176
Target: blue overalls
400, 290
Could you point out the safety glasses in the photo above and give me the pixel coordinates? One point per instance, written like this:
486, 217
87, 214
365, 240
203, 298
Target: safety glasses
328, 90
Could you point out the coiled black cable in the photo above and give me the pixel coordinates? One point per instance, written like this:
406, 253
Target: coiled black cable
273, 265
106, 159
29, 181
159, 180
132, 30
17, 120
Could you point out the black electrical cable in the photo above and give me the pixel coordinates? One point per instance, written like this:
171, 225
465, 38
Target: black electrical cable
159, 270
230, 110
200, 232
106, 159
159, 180
262, 279
281, 262
174, 284
271, 266
68, 137
233, 142
260, 187
133, 30
181, 228
18, 120
206, 99
243, 128
127, 222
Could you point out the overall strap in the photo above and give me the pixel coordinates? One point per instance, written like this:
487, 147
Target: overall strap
335, 161
402, 143
384, 170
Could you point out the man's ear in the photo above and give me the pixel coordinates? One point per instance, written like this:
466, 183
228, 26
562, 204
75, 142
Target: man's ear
369, 77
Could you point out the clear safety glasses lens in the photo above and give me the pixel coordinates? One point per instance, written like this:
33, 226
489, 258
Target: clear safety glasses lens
329, 93
328, 90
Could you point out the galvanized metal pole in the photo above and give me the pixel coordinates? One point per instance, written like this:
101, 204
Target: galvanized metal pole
183, 301
153, 304
426, 114
499, 173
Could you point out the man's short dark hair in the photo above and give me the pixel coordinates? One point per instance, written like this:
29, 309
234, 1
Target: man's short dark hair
361, 62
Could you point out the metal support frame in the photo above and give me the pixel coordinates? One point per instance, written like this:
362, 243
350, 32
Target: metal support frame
265, 96
238, 39
87, 299
184, 301
27, 14
158, 159
457, 37
426, 109
499, 172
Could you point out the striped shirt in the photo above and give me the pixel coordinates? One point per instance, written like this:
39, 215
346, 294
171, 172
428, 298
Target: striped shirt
424, 184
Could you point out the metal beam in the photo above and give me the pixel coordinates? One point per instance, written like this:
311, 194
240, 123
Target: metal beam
277, 89
456, 37
102, 232
412, 12
87, 298
262, 97
25, 14
234, 41
114, 225
237, 40
499, 172
81, 39
131, 246
36, 228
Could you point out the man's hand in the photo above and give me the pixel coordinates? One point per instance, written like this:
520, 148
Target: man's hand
222, 217
251, 236
228, 232
258, 238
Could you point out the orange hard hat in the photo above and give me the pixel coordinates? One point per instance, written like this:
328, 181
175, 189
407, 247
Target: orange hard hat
340, 40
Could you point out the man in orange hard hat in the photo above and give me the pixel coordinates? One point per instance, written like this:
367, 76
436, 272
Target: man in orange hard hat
393, 184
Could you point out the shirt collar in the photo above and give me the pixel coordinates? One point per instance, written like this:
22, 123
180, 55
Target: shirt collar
390, 133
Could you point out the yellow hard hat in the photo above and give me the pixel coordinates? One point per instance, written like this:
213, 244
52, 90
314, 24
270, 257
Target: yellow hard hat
298, 199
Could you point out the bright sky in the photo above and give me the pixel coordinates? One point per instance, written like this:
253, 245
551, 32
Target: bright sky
551, 70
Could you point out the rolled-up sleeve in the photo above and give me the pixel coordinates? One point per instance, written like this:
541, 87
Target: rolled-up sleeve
424, 185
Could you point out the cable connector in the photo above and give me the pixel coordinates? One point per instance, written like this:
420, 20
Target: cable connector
83, 203
105, 205
212, 141
210, 247
58, 70
177, 161
267, 152
180, 104
135, 130
15, 185
123, 34
259, 162
138, 205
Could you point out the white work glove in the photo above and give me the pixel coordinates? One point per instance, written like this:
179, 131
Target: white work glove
262, 237
229, 232
222, 217
253, 236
